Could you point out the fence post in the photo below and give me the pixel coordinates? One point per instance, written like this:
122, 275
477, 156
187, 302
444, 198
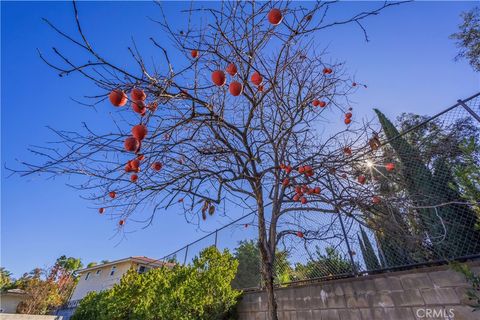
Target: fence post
354, 268
186, 254
473, 113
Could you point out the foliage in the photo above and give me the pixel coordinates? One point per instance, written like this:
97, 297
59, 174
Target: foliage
69, 263
435, 138
249, 262
6, 280
42, 293
248, 272
47, 289
473, 293
201, 290
447, 222
468, 175
468, 38
324, 265
91, 264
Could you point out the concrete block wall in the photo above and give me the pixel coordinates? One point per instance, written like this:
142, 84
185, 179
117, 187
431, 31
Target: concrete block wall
423, 293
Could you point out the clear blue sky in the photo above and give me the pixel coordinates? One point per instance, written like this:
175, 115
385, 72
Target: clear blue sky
408, 67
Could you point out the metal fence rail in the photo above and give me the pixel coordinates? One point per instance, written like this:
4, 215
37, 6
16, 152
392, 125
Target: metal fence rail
421, 210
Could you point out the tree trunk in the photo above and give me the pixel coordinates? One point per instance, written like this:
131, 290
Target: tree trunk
267, 275
267, 257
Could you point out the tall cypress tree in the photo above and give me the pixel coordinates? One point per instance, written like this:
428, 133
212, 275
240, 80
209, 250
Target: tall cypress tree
369, 256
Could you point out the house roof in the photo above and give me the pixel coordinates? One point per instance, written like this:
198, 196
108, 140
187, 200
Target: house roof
136, 259
14, 292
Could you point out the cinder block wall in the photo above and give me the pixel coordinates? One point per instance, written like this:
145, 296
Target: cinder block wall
424, 293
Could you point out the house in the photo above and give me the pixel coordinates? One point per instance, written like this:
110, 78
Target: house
104, 276
10, 299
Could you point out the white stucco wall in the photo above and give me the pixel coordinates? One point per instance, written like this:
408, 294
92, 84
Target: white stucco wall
9, 302
99, 282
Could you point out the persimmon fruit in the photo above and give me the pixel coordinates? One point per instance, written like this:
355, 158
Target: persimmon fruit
118, 98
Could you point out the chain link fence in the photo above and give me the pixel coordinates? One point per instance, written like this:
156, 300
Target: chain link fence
414, 192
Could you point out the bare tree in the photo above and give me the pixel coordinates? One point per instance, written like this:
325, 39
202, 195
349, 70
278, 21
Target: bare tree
265, 142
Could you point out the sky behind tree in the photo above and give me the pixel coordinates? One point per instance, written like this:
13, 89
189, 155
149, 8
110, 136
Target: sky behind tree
407, 65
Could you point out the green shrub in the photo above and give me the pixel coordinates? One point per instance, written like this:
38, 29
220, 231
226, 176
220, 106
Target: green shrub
200, 290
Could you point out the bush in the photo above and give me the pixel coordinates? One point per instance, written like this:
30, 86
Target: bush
201, 290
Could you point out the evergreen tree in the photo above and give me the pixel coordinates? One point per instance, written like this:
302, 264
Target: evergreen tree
369, 256
427, 193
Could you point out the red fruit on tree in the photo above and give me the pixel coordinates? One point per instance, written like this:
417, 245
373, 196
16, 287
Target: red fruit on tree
138, 95
298, 189
141, 157
139, 131
347, 121
219, 78
101, 210
180, 200
112, 194
316, 190
235, 88
362, 179
133, 178
118, 98
131, 144
347, 150
303, 200
376, 199
322, 104
157, 166
286, 182
194, 54
308, 171
344, 175
135, 165
390, 166
348, 115
128, 168
246, 225
327, 70
260, 88
354, 84
301, 169
275, 16
139, 107
231, 69
300, 234
288, 169
121, 222
256, 78
296, 197
282, 166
